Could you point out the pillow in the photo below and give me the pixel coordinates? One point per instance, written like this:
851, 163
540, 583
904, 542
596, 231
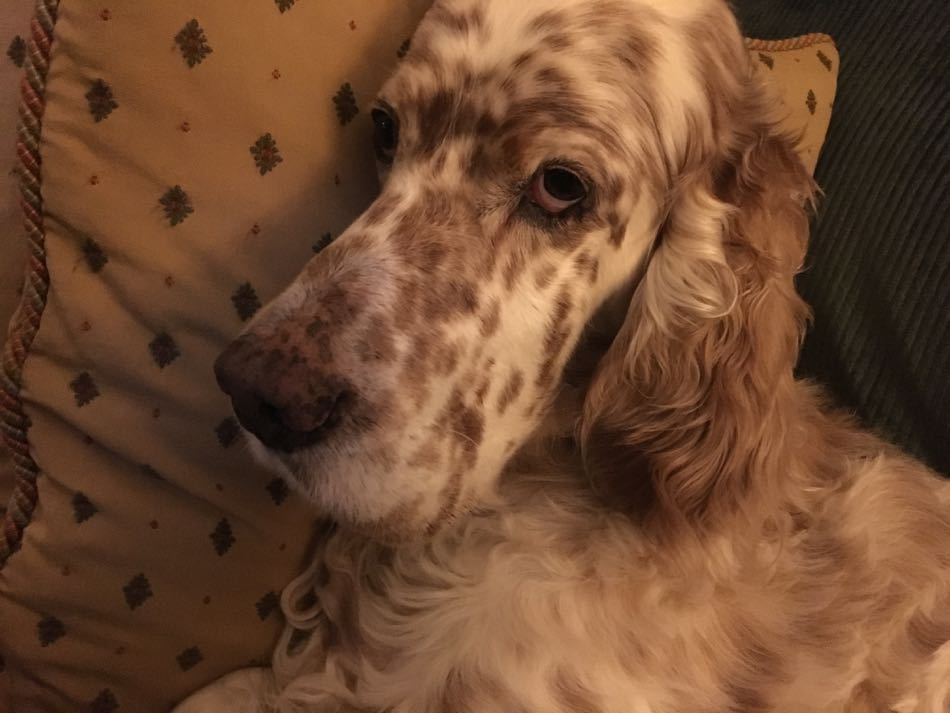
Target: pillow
181, 187
804, 72
193, 156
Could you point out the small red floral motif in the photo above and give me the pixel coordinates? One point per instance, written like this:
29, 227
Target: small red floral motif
352, 24
275, 74
85, 326
184, 127
156, 412
169, 281
93, 180
106, 14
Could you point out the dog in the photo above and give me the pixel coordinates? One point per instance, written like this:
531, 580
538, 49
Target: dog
543, 391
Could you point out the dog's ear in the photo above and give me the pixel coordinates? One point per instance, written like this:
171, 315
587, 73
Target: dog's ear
683, 419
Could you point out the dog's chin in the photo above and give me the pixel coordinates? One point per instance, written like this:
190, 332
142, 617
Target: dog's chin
271, 460
400, 523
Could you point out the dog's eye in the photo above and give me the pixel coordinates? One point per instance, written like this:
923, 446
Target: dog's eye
385, 135
556, 188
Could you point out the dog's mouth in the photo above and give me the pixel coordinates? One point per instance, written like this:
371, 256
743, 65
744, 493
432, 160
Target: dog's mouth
291, 429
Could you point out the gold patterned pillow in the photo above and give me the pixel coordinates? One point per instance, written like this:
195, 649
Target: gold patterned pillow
180, 160
804, 72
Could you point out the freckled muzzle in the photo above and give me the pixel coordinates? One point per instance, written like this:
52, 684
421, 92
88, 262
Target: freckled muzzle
292, 376
281, 392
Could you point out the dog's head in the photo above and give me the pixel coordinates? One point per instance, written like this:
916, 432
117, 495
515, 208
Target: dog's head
538, 157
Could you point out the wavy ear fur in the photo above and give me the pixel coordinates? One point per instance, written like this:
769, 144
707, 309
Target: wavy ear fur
684, 418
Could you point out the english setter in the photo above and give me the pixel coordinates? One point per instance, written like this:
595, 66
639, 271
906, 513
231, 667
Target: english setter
543, 390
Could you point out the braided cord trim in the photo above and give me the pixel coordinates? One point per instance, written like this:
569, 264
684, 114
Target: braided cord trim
14, 423
792, 43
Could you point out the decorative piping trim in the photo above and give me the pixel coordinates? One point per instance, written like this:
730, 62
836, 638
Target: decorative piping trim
14, 423
792, 43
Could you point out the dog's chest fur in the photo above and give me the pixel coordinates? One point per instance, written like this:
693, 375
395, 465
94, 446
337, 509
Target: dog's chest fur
553, 603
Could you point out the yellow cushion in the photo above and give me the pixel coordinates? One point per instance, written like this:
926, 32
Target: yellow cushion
194, 155
803, 71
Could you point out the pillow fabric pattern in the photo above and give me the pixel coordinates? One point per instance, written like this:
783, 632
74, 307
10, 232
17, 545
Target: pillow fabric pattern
179, 162
804, 72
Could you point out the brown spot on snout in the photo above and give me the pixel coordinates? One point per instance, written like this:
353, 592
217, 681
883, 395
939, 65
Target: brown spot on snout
466, 424
460, 23
334, 308
549, 21
482, 391
587, 266
556, 338
451, 299
376, 343
556, 42
491, 319
544, 275
553, 78
510, 392
618, 229
415, 376
445, 357
427, 457
448, 498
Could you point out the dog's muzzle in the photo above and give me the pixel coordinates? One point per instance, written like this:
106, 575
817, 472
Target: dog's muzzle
280, 395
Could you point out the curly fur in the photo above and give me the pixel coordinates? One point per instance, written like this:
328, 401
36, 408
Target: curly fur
670, 522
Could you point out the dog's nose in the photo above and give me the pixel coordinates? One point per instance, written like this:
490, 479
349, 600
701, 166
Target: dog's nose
277, 398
